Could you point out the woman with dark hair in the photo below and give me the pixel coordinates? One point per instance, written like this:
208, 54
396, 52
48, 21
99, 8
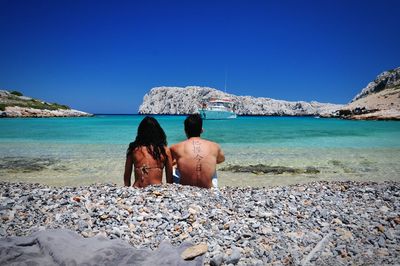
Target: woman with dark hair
148, 155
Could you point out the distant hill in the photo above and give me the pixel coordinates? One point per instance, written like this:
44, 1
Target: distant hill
177, 100
14, 104
379, 100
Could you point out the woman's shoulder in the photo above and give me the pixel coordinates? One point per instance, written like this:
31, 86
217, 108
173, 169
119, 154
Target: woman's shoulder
140, 149
131, 147
136, 149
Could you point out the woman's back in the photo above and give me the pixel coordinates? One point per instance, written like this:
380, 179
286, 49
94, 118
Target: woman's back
148, 155
148, 171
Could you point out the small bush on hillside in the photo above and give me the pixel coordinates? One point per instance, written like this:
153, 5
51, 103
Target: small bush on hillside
60, 106
2, 107
16, 93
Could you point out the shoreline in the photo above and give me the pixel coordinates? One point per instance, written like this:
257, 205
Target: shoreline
373, 118
355, 222
350, 118
226, 180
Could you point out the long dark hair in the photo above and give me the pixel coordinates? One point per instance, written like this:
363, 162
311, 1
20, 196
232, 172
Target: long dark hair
151, 135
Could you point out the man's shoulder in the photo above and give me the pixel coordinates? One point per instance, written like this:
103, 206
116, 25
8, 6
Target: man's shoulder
176, 146
209, 141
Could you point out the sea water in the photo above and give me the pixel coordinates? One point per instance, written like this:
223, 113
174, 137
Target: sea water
74, 151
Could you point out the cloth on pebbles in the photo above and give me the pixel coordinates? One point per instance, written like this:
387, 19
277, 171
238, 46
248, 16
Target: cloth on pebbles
64, 247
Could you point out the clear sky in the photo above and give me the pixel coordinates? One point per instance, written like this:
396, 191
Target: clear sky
103, 56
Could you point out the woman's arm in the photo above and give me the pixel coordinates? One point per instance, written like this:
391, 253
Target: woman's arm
128, 170
168, 166
220, 156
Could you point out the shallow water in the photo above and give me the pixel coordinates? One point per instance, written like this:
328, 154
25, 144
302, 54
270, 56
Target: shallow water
74, 151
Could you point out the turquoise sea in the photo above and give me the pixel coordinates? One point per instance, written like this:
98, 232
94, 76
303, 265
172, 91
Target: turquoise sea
74, 151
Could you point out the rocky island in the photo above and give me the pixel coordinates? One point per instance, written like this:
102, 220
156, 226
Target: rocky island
14, 104
178, 100
380, 100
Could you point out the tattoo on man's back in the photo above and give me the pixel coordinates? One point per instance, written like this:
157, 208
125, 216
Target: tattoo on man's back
197, 156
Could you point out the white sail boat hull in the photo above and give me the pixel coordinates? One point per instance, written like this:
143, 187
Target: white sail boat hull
217, 114
217, 109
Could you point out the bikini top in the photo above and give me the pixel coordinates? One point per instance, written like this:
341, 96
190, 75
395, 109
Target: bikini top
145, 168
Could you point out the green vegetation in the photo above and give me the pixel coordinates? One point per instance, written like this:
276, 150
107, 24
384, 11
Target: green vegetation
42, 105
16, 93
13, 100
61, 106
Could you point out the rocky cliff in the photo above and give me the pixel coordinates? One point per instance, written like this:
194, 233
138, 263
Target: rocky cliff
14, 104
379, 100
177, 100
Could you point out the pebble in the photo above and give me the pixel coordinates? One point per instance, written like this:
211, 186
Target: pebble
194, 251
382, 242
256, 225
234, 257
244, 226
217, 260
380, 228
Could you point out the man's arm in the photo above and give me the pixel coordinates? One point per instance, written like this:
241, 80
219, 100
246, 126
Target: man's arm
220, 156
128, 170
168, 166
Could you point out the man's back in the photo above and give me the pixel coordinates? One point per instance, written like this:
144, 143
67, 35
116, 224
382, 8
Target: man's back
196, 159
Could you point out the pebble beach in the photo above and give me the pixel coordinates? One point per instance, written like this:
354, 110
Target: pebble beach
320, 223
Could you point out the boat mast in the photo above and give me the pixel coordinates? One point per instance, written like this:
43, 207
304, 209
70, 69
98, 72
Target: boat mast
225, 80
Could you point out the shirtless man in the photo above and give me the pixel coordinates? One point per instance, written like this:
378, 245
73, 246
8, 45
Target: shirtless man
196, 158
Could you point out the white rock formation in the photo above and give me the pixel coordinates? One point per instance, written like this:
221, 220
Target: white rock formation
379, 100
387, 79
177, 100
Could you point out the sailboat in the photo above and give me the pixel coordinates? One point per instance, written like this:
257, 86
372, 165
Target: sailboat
218, 108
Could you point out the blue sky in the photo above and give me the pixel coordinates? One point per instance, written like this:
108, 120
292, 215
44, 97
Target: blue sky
103, 56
